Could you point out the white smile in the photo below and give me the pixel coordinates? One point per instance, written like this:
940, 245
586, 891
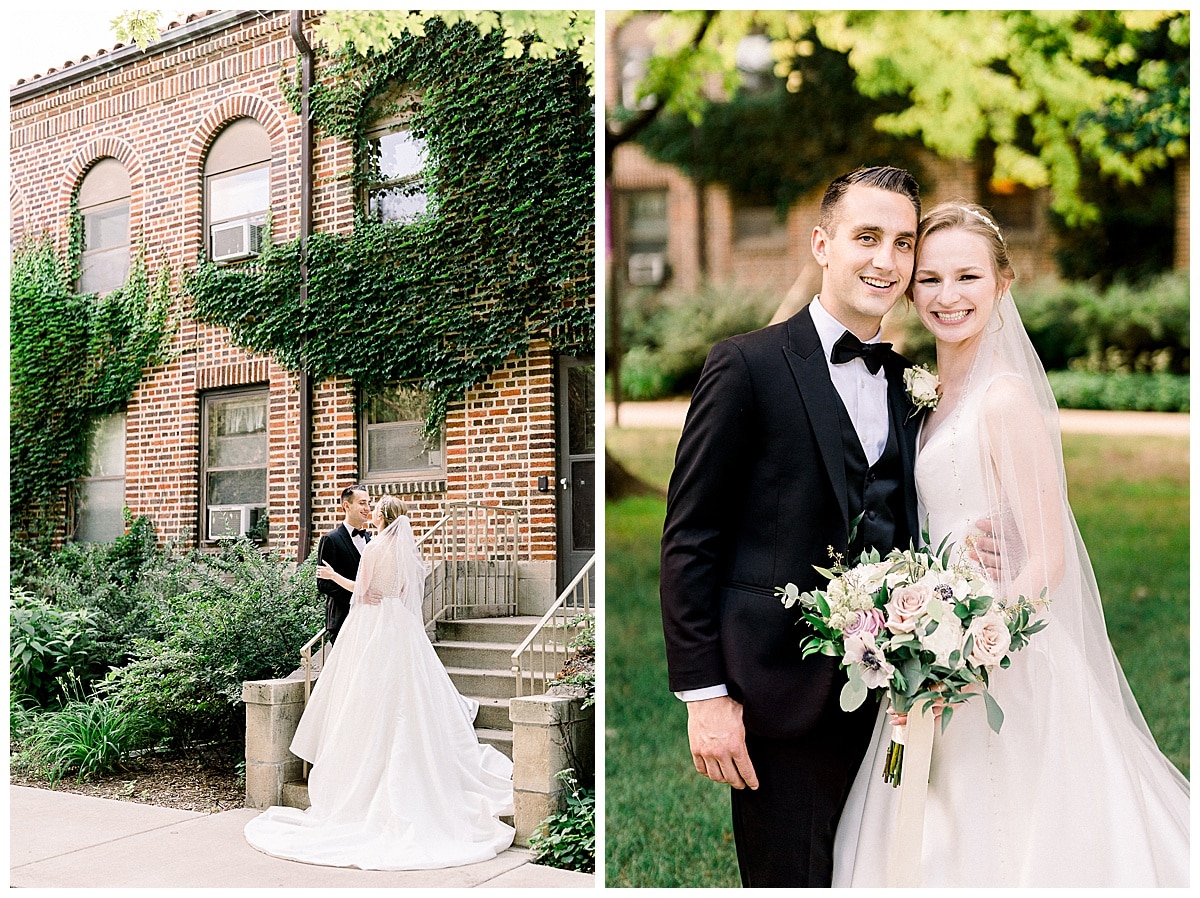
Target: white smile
952, 317
876, 282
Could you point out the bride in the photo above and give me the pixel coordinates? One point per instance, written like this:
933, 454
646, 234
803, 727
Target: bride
399, 780
1073, 791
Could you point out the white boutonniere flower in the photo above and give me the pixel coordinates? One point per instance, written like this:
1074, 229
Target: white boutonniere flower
922, 387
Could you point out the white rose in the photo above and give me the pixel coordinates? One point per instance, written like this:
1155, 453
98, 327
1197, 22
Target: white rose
922, 386
992, 639
946, 638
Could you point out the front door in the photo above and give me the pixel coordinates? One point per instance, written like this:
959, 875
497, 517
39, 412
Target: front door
576, 466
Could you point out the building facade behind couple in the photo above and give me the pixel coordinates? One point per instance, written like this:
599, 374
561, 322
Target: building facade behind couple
192, 151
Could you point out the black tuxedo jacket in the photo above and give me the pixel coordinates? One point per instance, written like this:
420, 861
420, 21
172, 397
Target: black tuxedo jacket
337, 547
757, 497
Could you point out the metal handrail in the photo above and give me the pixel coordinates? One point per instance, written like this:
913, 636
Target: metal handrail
553, 633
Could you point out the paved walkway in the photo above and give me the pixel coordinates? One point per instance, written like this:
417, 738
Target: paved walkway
670, 413
61, 840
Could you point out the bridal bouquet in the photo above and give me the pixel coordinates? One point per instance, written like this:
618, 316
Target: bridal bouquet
918, 624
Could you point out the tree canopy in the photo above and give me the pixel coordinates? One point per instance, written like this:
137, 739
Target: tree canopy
1054, 91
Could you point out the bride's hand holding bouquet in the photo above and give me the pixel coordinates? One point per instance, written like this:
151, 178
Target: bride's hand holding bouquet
921, 626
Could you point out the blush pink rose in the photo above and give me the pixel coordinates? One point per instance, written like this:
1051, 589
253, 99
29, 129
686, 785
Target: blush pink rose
992, 639
906, 605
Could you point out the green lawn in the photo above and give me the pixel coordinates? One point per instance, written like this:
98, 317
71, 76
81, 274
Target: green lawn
667, 826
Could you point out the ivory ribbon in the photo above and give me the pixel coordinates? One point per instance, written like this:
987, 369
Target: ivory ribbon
904, 862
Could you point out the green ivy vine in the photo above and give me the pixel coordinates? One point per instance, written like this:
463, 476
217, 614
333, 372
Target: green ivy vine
504, 252
74, 358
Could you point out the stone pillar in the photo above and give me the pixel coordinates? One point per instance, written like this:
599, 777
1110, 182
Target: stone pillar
273, 709
550, 733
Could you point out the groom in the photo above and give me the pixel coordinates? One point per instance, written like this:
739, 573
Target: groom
794, 432
342, 547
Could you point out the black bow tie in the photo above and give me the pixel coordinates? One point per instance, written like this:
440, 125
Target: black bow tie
850, 347
361, 533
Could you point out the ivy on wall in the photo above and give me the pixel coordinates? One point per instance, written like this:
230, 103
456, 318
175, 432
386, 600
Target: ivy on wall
504, 252
74, 358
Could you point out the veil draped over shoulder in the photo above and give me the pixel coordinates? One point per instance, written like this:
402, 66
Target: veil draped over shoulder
1026, 486
392, 568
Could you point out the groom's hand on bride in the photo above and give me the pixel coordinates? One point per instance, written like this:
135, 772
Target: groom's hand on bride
718, 742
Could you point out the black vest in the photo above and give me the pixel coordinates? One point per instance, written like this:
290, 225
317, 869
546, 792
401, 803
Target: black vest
873, 491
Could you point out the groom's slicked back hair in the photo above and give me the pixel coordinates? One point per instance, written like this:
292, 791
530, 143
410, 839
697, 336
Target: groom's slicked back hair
348, 492
885, 177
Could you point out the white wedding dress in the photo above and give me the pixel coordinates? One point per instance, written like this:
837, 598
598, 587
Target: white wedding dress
399, 780
1073, 790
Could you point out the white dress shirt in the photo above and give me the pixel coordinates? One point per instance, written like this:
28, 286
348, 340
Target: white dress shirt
360, 542
865, 397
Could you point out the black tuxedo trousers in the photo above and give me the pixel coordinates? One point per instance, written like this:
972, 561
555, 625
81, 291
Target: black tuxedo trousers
758, 496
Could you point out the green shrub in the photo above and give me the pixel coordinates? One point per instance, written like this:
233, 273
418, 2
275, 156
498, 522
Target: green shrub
46, 644
87, 737
1121, 392
567, 840
580, 668
237, 615
118, 585
669, 334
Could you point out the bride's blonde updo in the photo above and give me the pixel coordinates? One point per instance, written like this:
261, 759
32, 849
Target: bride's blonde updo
390, 508
973, 218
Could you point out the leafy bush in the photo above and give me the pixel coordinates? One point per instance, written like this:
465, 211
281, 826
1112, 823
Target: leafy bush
1124, 392
88, 737
118, 586
46, 644
237, 616
669, 334
580, 668
567, 840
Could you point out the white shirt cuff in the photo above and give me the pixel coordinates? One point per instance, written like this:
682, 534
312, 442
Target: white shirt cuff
696, 695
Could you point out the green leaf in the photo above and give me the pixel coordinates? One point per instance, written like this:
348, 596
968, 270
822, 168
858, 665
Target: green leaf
995, 716
854, 693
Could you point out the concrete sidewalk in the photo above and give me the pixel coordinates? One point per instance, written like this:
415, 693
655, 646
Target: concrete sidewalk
61, 840
671, 412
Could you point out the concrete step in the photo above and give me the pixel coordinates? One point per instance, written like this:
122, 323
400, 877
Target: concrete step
501, 740
481, 655
493, 714
498, 630
481, 683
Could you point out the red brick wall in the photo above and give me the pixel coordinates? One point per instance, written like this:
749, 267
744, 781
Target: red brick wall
158, 115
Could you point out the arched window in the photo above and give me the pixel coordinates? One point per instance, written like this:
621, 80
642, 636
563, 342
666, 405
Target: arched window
104, 206
237, 190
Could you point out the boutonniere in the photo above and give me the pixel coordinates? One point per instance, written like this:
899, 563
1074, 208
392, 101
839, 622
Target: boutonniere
921, 384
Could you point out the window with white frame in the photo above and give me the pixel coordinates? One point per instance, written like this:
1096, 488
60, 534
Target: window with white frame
103, 203
237, 191
100, 494
396, 189
233, 461
395, 447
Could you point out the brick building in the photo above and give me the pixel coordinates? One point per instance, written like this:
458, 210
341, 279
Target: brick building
187, 147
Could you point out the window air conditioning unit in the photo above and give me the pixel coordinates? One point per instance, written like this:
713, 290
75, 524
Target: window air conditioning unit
230, 521
236, 240
647, 269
